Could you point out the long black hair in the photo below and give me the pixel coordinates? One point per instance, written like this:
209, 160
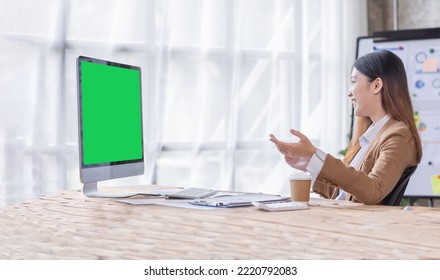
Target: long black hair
395, 96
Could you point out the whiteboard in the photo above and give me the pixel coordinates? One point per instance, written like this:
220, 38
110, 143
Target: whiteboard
421, 58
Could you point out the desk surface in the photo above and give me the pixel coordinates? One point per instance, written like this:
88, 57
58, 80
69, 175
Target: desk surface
71, 226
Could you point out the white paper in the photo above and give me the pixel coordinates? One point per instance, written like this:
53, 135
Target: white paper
181, 203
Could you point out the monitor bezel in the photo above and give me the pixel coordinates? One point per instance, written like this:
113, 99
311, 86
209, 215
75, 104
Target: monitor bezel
109, 170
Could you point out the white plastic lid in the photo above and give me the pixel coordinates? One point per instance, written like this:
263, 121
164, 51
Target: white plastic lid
300, 176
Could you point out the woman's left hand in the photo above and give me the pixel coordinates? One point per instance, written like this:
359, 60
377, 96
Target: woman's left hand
297, 154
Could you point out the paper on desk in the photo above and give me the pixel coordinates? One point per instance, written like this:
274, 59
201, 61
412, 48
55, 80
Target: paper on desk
159, 192
182, 203
244, 199
218, 200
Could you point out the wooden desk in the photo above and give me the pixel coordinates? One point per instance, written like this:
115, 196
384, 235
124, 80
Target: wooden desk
71, 226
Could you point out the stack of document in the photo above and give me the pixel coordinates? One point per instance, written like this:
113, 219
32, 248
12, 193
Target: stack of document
217, 200
237, 200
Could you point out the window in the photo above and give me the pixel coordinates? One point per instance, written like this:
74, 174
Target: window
218, 77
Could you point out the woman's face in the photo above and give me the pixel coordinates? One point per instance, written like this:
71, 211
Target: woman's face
361, 94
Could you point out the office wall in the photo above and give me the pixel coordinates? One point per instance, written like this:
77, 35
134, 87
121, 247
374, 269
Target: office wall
411, 14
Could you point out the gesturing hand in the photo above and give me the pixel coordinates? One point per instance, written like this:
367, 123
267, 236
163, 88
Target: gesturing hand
297, 154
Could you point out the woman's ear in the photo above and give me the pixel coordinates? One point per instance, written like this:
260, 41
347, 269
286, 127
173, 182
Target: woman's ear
378, 85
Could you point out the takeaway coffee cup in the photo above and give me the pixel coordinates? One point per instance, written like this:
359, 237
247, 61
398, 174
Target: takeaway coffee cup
300, 186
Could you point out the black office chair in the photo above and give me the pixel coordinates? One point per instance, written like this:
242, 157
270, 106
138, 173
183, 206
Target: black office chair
394, 198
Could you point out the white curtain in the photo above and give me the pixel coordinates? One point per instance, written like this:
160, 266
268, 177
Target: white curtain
218, 77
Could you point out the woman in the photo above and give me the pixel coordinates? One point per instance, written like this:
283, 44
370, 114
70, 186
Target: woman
385, 140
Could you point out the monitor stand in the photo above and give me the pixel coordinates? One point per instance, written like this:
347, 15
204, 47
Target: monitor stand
91, 190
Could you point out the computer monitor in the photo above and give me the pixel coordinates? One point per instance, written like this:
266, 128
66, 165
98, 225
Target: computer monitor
109, 123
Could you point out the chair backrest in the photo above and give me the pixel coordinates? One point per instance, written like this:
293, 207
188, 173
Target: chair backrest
394, 198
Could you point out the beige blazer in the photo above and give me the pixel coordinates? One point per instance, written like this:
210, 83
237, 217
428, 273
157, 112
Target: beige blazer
391, 152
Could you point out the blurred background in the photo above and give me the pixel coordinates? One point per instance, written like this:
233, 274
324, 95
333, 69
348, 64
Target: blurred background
218, 77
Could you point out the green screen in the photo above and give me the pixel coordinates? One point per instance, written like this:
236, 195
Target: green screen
111, 113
